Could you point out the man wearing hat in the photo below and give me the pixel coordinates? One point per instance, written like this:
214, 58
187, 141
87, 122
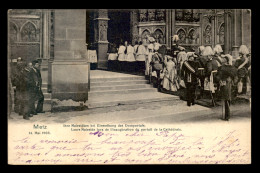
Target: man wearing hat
39, 94
189, 74
226, 75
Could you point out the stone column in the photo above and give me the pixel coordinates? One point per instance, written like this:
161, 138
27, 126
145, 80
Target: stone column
101, 24
173, 25
45, 46
213, 28
246, 27
69, 69
227, 41
168, 28
236, 39
134, 26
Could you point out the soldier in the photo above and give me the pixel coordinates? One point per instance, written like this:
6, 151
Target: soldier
157, 65
226, 75
39, 94
242, 64
189, 74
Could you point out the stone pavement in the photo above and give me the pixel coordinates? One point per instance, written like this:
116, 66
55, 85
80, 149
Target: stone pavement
175, 111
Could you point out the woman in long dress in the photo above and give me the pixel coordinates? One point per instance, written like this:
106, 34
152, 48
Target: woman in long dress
130, 58
170, 74
121, 57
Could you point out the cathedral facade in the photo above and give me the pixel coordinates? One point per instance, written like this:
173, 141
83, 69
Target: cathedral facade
60, 38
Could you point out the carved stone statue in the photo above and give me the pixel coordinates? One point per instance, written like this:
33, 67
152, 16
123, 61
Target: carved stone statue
187, 15
151, 14
143, 15
160, 15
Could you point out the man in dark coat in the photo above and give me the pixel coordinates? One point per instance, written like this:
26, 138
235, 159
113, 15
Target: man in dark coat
226, 75
23, 91
189, 73
39, 94
32, 87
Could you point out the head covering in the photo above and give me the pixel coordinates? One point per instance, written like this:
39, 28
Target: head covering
156, 47
227, 58
181, 48
175, 38
169, 57
190, 54
150, 46
34, 62
243, 50
208, 51
201, 49
218, 49
151, 39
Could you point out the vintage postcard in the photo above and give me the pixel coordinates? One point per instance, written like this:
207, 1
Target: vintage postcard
121, 86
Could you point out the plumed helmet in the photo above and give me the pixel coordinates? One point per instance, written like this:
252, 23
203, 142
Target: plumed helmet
218, 49
208, 51
243, 50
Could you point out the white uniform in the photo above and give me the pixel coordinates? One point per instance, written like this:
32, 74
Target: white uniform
130, 54
112, 56
169, 79
141, 53
121, 53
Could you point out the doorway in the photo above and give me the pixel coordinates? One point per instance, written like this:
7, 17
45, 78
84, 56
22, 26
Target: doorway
118, 26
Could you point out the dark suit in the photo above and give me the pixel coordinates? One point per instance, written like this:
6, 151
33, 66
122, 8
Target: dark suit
39, 94
190, 79
226, 75
32, 87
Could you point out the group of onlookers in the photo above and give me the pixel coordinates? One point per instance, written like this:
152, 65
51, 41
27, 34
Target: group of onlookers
26, 82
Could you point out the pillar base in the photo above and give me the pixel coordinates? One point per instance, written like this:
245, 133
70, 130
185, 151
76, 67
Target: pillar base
102, 48
70, 80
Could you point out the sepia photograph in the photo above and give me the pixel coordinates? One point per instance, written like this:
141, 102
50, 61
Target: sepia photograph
129, 86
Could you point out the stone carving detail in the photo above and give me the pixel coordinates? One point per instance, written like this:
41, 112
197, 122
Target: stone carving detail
13, 32
192, 36
196, 15
159, 37
221, 34
144, 36
103, 30
160, 15
182, 35
179, 14
187, 15
143, 15
151, 14
102, 13
29, 33
208, 35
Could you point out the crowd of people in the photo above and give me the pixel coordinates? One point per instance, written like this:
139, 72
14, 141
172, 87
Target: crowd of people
206, 70
26, 82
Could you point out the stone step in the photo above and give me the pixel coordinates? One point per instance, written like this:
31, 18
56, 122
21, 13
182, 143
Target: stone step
116, 79
44, 90
120, 87
44, 85
47, 95
111, 83
128, 99
111, 92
